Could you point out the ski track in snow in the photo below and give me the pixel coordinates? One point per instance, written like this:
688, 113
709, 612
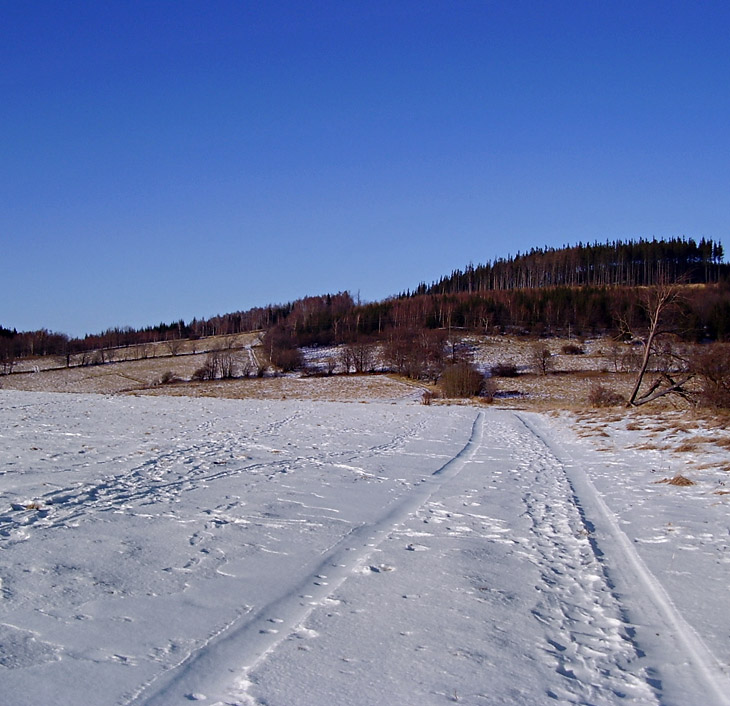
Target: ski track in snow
586, 630
162, 551
681, 648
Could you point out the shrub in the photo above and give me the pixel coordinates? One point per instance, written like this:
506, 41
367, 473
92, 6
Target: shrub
204, 372
461, 380
168, 378
504, 370
573, 349
602, 396
712, 365
489, 389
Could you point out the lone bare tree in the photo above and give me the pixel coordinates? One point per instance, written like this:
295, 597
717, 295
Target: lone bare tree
174, 346
541, 358
672, 373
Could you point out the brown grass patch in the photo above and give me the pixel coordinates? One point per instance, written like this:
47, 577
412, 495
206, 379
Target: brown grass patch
694, 443
644, 447
686, 446
678, 480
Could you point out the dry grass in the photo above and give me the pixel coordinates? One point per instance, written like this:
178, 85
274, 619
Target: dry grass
684, 447
646, 446
678, 480
339, 388
693, 444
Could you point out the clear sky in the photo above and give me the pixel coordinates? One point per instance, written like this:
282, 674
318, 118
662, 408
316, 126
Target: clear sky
171, 159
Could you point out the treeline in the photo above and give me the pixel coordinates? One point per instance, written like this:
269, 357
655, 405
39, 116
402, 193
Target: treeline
631, 264
582, 290
580, 311
336, 319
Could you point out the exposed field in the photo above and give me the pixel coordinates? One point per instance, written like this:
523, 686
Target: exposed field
150, 353
566, 386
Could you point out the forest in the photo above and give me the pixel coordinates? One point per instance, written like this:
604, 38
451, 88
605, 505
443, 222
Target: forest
629, 264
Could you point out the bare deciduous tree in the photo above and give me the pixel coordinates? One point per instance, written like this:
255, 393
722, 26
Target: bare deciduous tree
174, 345
7, 356
672, 372
358, 356
541, 358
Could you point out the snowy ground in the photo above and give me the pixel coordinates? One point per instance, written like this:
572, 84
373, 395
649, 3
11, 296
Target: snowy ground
176, 550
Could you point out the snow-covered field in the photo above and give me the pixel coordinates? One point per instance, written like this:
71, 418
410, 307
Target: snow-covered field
161, 550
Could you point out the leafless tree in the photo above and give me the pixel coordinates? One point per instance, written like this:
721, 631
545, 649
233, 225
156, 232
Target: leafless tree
672, 371
7, 356
174, 345
416, 354
541, 358
358, 356
330, 364
280, 346
219, 364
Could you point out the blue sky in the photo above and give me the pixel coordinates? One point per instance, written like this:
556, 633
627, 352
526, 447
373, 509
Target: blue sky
165, 160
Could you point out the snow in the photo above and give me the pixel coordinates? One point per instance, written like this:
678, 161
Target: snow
165, 550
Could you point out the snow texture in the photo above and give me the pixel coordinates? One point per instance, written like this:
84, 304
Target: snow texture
174, 550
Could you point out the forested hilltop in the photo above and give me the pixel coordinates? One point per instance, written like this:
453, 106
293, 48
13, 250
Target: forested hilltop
631, 264
582, 290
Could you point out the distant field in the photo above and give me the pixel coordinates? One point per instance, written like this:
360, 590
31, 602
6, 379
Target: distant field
567, 386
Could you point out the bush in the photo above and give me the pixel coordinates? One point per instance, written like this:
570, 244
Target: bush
573, 349
204, 372
602, 396
489, 389
461, 380
712, 365
504, 370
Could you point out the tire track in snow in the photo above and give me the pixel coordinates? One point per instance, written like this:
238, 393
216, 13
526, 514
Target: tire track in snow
223, 663
663, 642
